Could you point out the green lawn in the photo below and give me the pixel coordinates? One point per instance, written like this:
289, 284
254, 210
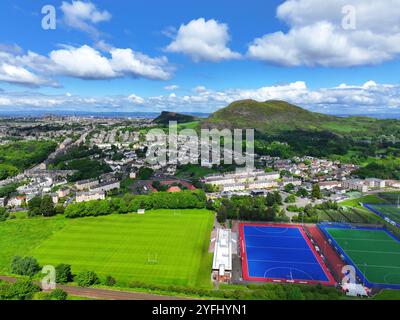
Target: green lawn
159, 247
194, 171
388, 295
374, 252
20, 236
365, 199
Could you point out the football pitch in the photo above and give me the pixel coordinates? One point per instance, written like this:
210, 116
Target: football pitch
386, 211
280, 253
375, 253
159, 247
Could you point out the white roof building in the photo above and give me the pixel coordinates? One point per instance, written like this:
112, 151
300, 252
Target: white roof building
222, 261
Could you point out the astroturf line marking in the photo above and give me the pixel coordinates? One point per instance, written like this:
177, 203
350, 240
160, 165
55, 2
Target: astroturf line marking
270, 236
263, 230
280, 248
380, 252
274, 261
362, 239
290, 269
376, 266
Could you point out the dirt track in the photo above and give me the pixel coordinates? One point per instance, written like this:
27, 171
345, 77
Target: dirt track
105, 294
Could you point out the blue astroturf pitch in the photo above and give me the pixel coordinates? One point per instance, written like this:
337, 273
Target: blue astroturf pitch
280, 253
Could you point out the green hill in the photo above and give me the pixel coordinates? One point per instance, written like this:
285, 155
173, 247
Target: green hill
165, 117
286, 130
266, 116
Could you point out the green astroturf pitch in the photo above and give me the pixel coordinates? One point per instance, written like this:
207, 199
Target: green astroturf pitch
390, 211
374, 252
160, 247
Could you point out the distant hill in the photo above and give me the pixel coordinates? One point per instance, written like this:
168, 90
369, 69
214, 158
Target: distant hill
266, 116
165, 117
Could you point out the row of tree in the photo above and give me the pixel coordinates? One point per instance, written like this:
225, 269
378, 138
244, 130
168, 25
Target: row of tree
161, 200
250, 208
29, 266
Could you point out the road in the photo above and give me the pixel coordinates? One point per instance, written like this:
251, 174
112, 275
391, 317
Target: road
104, 294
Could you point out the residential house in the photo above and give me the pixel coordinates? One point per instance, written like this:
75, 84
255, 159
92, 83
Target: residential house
329, 185
16, 201
90, 196
355, 184
62, 193
86, 184
106, 186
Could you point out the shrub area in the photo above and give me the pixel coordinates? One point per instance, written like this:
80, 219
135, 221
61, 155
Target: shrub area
161, 200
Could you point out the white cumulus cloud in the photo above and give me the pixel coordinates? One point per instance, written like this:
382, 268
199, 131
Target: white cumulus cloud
203, 40
83, 16
85, 62
171, 87
316, 36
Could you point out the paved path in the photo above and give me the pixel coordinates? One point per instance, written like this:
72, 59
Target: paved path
105, 294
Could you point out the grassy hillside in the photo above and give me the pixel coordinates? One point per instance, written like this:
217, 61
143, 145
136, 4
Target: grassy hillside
286, 130
266, 116
20, 155
276, 116
165, 117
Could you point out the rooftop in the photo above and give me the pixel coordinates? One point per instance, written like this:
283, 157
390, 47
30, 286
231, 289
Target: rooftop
223, 250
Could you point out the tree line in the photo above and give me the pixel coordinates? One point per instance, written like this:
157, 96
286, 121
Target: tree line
161, 200
250, 208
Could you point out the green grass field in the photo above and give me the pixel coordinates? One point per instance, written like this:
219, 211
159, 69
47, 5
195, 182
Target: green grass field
390, 211
158, 247
20, 236
365, 199
374, 252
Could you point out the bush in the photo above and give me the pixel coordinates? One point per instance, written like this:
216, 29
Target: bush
161, 200
87, 278
42, 295
20, 290
290, 199
58, 294
41, 206
110, 281
26, 266
63, 273
3, 214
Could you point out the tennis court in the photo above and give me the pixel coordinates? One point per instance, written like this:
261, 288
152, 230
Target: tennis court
391, 213
375, 253
280, 253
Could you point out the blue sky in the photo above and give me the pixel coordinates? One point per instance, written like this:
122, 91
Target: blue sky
200, 55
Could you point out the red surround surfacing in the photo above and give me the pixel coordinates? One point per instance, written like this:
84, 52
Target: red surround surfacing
245, 268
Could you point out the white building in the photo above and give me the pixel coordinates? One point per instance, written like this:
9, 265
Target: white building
244, 179
295, 182
16, 201
89, 196
262, 184
62, 193
222, 262
106, 186
393, 183
355, 184
234, 187
55, 198
329, 185
86, 184
375, 183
